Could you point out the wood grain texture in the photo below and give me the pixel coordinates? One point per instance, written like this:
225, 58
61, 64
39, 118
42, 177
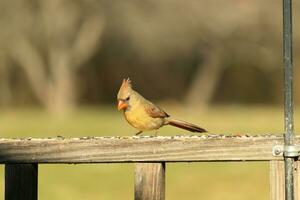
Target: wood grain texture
140, 149
277, 180
277, 190
21, 182
297, 179
149, 181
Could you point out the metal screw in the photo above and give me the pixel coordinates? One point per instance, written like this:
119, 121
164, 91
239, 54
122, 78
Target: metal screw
277, 150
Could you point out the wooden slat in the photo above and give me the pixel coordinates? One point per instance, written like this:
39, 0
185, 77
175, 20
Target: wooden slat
140, 149
297, 180
277, 180
149, 181
277, 190
21, 181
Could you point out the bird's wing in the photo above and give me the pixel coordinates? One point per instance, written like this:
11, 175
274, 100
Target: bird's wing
155, 112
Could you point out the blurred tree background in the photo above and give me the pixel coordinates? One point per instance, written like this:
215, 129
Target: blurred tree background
60, 54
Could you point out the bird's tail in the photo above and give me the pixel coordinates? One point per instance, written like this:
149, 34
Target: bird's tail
185, 125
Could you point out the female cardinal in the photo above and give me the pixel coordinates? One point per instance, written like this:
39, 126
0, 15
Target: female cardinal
144, 115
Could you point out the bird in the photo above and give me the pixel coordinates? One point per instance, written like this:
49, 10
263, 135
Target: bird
144, 115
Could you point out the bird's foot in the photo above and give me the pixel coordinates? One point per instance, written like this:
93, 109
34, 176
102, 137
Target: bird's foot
138, 132
156, 131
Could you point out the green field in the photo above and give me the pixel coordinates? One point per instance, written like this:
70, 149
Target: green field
211, 181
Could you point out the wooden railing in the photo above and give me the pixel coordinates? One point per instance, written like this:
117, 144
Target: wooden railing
22, 156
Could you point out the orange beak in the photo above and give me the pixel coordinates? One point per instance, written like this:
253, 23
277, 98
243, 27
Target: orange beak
122, 105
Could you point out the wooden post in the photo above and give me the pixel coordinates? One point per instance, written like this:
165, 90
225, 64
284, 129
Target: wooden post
21, 181
149, 181
297, 179
276, 180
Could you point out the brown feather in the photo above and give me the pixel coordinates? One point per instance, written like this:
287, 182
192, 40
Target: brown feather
186, 126
155, 112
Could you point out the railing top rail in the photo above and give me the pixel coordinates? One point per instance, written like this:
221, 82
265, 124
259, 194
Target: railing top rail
125, 149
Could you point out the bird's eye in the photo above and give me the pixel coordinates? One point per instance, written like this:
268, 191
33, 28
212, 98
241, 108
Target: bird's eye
127, 99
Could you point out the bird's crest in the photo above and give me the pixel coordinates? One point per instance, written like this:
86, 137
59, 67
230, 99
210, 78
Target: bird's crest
126, 84
124, 89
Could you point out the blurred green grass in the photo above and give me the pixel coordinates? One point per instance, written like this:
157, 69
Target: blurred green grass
115, 181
